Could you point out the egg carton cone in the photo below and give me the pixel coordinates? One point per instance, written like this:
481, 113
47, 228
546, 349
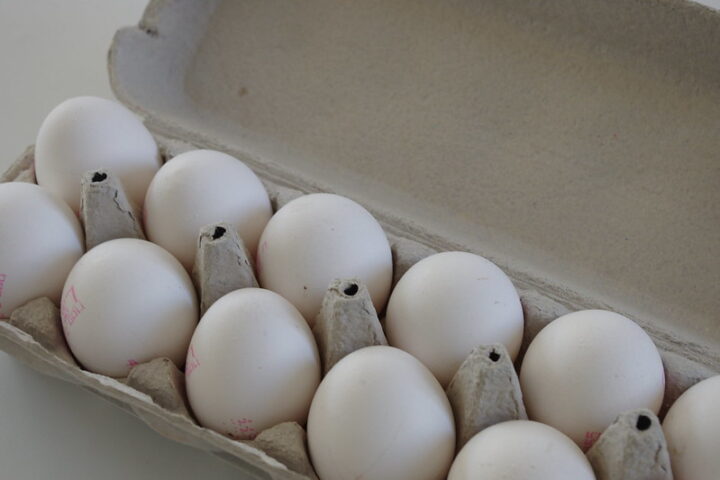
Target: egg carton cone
40, 319
633, 447
22, 169
105, 210
163, 381
484, 391
287, 442
222, 264
347, 322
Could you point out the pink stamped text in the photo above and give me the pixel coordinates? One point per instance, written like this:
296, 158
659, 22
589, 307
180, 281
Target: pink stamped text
70, 307
242, 429
192, 361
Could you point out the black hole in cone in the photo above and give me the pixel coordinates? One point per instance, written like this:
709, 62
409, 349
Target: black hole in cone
494, 356
351, 289
218, 233
99, 177
643, 423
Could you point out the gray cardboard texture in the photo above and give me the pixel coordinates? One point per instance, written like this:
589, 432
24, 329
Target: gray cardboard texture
40, 319
279, 196
222, 264
485, 391
23, 170
163, 382
538, 311
572, 142
405, 254
680, 374
287, 442
347, 322
633, 447
105, 210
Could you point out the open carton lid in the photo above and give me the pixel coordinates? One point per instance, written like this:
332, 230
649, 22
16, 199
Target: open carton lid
574, 143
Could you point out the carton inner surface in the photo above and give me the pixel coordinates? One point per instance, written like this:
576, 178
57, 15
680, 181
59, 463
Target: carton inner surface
581, 158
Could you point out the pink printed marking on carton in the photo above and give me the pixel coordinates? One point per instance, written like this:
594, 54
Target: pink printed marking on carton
70, 307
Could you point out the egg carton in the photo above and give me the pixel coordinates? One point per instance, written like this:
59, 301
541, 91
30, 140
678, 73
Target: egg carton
225, 75
485, 390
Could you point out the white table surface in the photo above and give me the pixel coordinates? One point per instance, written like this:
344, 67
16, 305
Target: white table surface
51, 50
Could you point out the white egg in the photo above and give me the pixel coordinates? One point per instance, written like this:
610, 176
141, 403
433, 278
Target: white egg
40, 241
88, 133
200, 187
252, 364
316, 239
449, 303
692, 430
379, 414
585, 368
521, 450
128, 301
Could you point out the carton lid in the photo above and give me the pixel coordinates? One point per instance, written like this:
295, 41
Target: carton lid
573, 142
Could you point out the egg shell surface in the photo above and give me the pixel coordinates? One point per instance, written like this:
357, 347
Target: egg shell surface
521, 450
40, 241
379, 414
90, 133
316, 239
198, 188
692, 431
252, 363
449, 303
128, 301
585, 368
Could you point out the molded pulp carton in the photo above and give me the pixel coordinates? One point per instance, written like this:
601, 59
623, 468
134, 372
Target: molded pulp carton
574, 143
